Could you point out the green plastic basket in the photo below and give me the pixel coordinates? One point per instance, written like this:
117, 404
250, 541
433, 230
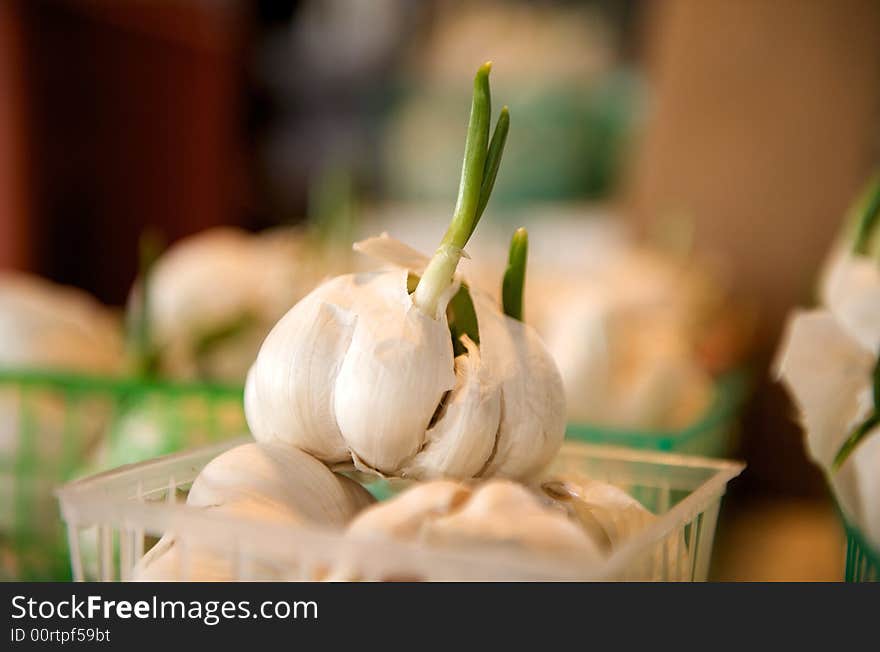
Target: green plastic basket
862, 560
714, 435
53, 423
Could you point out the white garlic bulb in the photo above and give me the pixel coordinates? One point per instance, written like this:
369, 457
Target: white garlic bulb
612, 516
278, 484
214, 296
48, 326
356, 372
829, 373
498, 514
624, 364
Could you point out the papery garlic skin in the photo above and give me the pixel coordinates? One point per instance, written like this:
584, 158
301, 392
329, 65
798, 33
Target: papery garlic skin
277, 484
850, 288
612, 517
828, 371
497, 514
828, 374
356, 372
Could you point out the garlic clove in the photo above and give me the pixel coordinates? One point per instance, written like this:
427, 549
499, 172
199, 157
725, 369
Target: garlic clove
462, 439
851, 290
611, 516
173, 559
289, 393
618, 515
532, 396
280, 475
270, 483
506, 513
396, 370
405, 515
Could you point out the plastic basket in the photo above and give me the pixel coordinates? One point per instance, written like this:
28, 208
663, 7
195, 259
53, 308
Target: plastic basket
862, 560
127, 509
50, 425
714, 435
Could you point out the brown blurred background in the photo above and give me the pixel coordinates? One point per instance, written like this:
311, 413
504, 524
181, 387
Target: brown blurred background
759, 120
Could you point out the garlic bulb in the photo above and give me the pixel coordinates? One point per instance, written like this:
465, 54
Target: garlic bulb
612, 516
49, 326
365, 369
623, 364
355, 371
269, 483
828, 361
212, 298
497, 513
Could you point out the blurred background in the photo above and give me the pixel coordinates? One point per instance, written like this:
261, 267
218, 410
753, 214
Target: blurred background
739, 130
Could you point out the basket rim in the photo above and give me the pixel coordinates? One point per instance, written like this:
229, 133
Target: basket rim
729, 390
178, 517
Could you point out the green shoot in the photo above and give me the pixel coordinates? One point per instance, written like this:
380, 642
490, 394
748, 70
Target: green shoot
513, 285
479, 169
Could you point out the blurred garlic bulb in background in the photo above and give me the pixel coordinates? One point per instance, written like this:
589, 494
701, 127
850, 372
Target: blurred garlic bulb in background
213, 297
625, 362
48, 326
276, 484
828, 361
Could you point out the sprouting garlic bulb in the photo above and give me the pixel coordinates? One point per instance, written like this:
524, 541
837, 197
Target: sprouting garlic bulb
214, 296
446, 514
277, 484
356, 372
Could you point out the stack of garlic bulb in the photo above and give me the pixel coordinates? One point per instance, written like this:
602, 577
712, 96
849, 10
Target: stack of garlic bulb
406, 372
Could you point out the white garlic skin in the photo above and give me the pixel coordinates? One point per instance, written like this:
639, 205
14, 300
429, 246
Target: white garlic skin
275, 484
445, 514
356, 372
827, 368
611, 517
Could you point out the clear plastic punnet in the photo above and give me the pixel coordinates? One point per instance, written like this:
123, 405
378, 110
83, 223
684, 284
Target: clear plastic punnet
114, 518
